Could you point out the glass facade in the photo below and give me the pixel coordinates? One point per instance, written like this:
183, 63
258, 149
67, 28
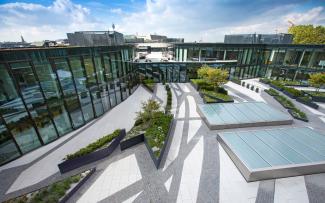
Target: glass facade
47, 93
256, 60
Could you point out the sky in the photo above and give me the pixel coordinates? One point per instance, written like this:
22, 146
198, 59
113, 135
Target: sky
194, 20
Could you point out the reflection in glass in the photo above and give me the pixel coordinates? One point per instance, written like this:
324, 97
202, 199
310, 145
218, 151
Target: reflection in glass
60, 116
74, 110
8, 149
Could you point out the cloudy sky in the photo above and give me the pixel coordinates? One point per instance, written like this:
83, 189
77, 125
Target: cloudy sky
194, 20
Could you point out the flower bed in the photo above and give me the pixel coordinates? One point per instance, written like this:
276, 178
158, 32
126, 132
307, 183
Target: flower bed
95, 151
169, 99
284, 102
292, 92
217, 96
264, 80
157, 135
307, 101
297, 114
271, 92
60, 191
316, 96
149, 84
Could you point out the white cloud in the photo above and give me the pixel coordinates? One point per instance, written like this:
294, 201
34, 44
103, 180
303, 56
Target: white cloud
116, 10
209, 21
37, 22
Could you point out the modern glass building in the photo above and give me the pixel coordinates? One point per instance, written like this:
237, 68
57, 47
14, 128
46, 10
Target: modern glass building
46, 93
251, 60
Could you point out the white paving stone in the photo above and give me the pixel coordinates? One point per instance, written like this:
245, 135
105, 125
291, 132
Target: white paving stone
168, 183
193, 128
181, 110
118, 174
184, 87
290, 190
190, 181
175, 144
192, 107
233, 186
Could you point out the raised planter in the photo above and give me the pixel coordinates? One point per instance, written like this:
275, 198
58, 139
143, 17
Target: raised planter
132, 141
318, 99
148, 88
296, 117
71, 164
218, 100
275, 87
289, 94
76, 187
311, 104
156, 160
282, 104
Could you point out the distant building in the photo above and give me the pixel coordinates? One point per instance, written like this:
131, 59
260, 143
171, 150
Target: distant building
281, 38
10, 45
133, 39
95, 38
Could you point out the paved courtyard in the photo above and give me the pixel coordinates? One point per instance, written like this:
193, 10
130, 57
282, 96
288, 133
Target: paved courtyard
195, 167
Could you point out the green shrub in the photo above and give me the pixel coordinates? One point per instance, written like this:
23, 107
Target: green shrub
272, 92
299, 113
208, 99
306, 99
316, 94
293, 91
277, 84
223, 97
157, 132
235, 80
222, 90
169, 99
265, 80
285, 102
94, 146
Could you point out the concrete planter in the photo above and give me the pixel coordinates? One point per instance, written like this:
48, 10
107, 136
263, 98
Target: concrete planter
289, 94
156, 160
72, 164
218, 100
282, 104
275, 87
131, 142
318, 99
75, 188
296, 117
311, 104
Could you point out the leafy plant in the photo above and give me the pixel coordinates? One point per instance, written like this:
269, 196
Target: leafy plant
217, 95
293, 91
94, 146
317, 80
149, 108
285, 102
272, 92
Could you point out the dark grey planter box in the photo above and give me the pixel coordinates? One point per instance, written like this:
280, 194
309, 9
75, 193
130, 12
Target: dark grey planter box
275, 87
311, 104
318, 99
152, 155
76, 188
281, 103
72, 164
298, 118
132, 141
289, 94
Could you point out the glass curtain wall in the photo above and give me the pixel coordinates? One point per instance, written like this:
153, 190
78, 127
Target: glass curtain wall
46, 93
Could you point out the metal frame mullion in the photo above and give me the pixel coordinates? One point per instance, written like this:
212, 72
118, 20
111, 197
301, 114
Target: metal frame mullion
85, 73
75, 87
54, 69
96, 77
43, 94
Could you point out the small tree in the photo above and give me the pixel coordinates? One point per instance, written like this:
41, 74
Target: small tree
148, 111
203, 72
317, 80
217, 77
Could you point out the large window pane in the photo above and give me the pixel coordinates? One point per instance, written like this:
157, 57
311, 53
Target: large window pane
8, 149
74, 110
60, 116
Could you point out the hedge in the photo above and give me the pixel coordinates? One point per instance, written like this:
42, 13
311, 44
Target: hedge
101, 142
272, 92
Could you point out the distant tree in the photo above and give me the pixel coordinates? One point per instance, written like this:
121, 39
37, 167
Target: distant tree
307, 34
217, 77
317, 80
203, 72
